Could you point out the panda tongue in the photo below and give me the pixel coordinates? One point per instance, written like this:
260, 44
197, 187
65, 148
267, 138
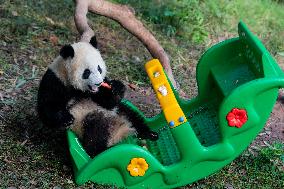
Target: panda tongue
94, 88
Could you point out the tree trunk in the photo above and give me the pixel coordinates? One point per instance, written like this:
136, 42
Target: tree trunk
125, 16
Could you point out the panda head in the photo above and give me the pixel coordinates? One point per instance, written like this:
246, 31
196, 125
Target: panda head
85, 69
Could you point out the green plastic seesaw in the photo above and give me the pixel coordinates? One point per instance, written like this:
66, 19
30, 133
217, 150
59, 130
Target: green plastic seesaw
238, 83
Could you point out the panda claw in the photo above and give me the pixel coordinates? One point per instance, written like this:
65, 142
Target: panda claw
153, 136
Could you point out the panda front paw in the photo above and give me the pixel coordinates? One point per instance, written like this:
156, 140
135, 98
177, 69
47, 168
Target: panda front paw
118, 89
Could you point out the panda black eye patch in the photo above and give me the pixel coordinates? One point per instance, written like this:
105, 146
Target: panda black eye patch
100, 69
86, 74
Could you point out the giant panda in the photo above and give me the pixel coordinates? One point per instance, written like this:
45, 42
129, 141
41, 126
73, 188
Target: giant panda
75, 93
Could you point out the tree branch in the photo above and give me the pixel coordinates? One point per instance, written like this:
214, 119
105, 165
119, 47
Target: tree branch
125, 16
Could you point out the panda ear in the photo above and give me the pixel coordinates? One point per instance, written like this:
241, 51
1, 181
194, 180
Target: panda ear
67, 51
93, 42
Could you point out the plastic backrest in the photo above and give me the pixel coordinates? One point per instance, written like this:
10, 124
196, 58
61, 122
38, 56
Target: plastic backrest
223, 69
234, 62
252, 49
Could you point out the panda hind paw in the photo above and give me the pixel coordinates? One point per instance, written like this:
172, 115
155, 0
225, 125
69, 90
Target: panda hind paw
68, 119
151, 135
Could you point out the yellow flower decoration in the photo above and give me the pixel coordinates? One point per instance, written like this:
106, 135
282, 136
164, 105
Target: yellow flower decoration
137, 167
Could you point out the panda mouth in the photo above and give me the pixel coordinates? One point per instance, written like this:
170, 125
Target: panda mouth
94, 88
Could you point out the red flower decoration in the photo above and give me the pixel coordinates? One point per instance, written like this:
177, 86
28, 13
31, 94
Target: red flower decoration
237, 117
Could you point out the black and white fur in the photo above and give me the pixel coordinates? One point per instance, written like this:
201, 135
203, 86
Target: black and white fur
71, 95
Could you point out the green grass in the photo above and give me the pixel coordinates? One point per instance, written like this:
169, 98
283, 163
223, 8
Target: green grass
183, 18
197, 20
264, 17
31, 157
262, 170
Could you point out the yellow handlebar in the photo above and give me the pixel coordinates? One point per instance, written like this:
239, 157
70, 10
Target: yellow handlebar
172, 111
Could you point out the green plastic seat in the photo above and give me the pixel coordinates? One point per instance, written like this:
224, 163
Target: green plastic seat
236, 73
